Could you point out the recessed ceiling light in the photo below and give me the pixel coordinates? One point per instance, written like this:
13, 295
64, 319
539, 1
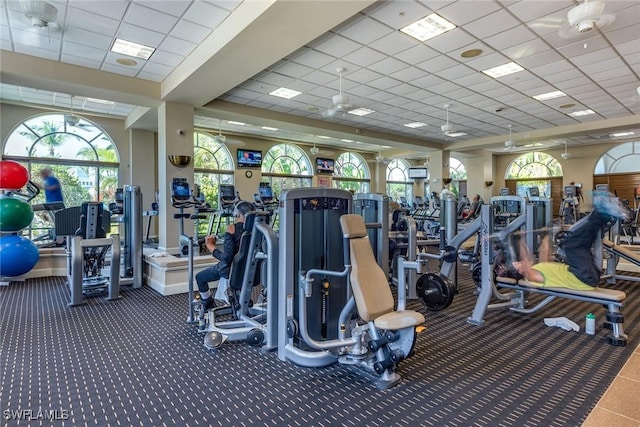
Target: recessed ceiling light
346, 140
385, 146
503, 70
361, 111
132, 49
428, 27
455, 134
620, 134
285, 93
269, 128
569, 105
231, 122
415, 125
127, 62
324, 137
471, 53
549, 95
581, 113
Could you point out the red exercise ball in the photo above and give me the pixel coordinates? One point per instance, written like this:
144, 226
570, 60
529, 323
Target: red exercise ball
13, 176
15, 214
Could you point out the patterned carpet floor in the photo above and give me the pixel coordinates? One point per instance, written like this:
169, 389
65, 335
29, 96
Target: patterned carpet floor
136, 362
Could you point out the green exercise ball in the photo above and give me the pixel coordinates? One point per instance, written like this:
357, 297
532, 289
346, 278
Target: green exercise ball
15, 214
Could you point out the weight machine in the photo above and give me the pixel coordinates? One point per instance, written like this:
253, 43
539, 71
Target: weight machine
85, 228
127, 211
317, 325
374, 208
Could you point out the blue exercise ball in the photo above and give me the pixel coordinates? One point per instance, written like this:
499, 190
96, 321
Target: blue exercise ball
15, 214
18, 255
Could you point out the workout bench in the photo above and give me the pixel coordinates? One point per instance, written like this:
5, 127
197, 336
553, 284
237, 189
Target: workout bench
610, 298
618, 252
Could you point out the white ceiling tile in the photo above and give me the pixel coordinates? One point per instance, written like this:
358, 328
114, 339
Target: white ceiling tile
365, 56
37, 39
399, 14
593, 57
461, 12
6, 45
151, 19
159, 69
441, 62
451, 41
393, 43
363, 90
82, 61
166, 58
92, 22
150, 76
292, 69
489, 25
456, 72
191, 32
384, 83
172, 7
319, 77
362, 75
624, 35
205, 14
312, 58
613, 65
408, 74
226, 4
525, 50
82, 51
334, 45
388, 66
140, 35
539, 59
113, 9
525, 12
510, 38
365, 30
36, 51
417, 54
485, 62
87, 38
177, 46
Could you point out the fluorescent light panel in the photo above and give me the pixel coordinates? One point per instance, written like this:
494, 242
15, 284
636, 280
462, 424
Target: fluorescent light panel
132, 49
285, 93
100, 101
503, 70
346, 140
428, 27
324, 137
361, 111
415, 125
620, 134
269, 128
231, 122
581, 113
549, 95
455, 134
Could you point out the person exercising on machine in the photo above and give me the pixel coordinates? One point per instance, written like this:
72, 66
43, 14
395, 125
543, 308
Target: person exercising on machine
225, 256
580, 271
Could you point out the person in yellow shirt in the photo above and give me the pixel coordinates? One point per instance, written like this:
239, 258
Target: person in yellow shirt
579, 271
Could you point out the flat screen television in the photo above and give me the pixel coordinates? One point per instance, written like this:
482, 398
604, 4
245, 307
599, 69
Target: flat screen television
324, 165
418, 173
249, 158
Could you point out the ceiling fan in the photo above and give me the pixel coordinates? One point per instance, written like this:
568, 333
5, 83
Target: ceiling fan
73, 120
510, 144
447, 128
41, 14
584, 18
220, 138
340, 100
566, 155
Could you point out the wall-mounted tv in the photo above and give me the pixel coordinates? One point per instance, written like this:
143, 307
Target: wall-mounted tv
324, 165
249, 158
418, 173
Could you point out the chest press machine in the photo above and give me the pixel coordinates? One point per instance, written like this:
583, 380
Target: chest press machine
516, 298
329, 279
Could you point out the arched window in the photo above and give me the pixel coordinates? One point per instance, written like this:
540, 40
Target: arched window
352, 173
398, 182
212, 165
623, 158
458, 175
78, 152
286, 166
533, 170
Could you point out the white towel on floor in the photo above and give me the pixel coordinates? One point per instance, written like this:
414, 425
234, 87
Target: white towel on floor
562, 322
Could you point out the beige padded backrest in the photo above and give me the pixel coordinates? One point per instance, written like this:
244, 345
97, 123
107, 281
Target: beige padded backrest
368, 281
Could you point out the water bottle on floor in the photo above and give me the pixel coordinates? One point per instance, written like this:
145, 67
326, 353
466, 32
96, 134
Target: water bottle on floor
590, 325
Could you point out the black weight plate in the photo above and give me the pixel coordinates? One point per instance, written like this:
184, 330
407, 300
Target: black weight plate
436, 293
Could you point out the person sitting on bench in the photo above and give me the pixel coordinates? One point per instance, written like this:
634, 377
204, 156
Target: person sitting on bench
580, 271
225, 257
474, 209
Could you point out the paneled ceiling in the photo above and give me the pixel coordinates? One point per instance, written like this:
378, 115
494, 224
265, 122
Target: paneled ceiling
226, 57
